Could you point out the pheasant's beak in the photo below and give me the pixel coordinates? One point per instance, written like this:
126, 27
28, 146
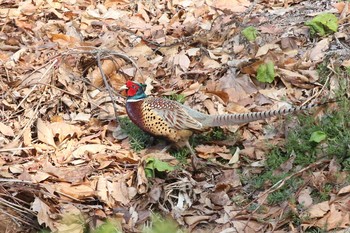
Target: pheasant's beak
123, 90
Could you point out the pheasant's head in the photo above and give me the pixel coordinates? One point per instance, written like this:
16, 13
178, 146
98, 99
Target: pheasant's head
134, 90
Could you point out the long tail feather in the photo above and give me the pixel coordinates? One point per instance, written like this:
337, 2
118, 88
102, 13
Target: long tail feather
233, 119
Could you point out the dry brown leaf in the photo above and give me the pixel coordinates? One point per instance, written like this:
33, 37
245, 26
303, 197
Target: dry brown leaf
270, 29
288, 43
206, 149
266, 48
286, 166
290, 75
182, 60
237, 88
190, 220
40, 176
346, 63
340, 6
16, 169
141, 48
318, 52
209, 105
63, 130
35, 77
221, 94
193, 88
117, 80
71, 227
142, 181
249, 152
219, 198
102, 191
109, 68
232, 5
344, 190
235, 157
318, 210
6, 130
305, 198
73, 175
120, 192
247, 226
209, 63
64, 39
334, 219
92, 149
44, 213
75, 191
45, 133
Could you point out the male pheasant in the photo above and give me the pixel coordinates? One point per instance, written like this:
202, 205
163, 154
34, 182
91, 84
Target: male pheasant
174, 121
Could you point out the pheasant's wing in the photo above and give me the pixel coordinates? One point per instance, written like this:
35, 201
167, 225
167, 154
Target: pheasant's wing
173, 113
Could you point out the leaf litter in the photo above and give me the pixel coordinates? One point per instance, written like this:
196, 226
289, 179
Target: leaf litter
61, 166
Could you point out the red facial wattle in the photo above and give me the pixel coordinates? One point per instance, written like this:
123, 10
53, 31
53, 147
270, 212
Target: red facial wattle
132, 88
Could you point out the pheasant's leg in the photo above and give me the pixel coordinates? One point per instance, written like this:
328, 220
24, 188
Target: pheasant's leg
194, 158
165, 149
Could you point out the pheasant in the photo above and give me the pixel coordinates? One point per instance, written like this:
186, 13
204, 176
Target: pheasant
169, 119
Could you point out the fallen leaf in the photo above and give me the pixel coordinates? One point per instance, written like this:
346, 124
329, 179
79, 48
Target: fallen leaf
334, 219
344, 190
182, 60
6, 130
44, 213
305, 198
235, 157
63, 130
318, 52
45, 133
266, 48
318, 210
75, 191
193, 88
232, 5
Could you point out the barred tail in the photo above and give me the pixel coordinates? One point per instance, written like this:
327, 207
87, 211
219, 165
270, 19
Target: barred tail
232, 119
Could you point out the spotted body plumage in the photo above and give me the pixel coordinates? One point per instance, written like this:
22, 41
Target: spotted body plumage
159, 117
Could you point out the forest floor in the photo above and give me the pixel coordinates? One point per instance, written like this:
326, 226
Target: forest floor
71, 161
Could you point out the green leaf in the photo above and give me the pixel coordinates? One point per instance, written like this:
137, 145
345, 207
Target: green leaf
266, 72
153, 164
161, 225
323, 24
110, 226
318, 136
250, 33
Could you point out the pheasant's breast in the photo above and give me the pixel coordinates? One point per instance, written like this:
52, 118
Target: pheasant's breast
155, 124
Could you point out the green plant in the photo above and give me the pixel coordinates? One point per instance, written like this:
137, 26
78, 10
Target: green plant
138, 139
347, 69
215, 134
177, 97
266, 72
323, 24
310, 141
181, 154
110, 226
154, 164
250, 33
323, 71
160, 224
